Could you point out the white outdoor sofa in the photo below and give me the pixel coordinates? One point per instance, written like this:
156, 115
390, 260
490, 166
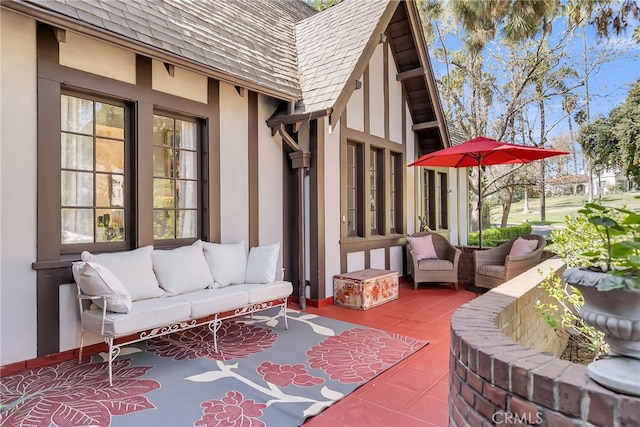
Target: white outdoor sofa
136, 295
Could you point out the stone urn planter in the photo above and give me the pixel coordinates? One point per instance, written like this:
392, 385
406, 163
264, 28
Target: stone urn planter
616, 313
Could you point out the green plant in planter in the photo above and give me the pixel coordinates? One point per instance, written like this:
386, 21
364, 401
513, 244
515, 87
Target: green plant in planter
617, 251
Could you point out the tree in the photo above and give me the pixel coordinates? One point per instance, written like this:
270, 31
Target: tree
626, 131
511, 33
614, 142
320, 5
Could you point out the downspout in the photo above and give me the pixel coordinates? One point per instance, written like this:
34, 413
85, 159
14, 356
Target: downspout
300, 160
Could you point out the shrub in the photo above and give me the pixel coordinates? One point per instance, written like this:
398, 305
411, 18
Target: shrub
561, 315
493, 237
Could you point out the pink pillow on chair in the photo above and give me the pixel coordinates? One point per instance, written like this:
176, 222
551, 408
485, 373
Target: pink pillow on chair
422, 247
523, 247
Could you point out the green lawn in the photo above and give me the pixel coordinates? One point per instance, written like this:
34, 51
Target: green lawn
558, 207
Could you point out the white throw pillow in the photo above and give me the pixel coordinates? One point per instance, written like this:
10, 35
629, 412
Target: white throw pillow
98, 281
262, 264
422, 247
227, 262
523, 246
182, 269
134, 269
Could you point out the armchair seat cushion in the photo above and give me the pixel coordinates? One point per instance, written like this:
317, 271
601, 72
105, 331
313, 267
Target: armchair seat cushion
489, 270
435, 265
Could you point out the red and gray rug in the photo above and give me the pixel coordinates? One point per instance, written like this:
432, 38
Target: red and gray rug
263, 375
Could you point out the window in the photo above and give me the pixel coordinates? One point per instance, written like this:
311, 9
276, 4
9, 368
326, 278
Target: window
429, 198
93, 171
444, 206
395, 200
95, 168
175, 178
435, 192
354, 190
375, 189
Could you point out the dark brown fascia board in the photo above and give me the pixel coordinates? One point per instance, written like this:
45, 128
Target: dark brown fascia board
276, 120
59, 21
363, 62
416, 28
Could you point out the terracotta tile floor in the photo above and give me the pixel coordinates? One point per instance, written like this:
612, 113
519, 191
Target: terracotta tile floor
414, 392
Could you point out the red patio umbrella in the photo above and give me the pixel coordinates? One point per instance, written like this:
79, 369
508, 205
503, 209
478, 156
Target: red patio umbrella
483, 151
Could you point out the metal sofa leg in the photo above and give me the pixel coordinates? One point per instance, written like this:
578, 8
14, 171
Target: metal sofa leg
81, 346
284, 309
214, 327
113, 353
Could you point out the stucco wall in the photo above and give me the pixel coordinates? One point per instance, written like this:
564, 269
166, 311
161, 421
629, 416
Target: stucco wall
355, 109
331, 203
376, 92
18, 184
395, 102
96, 57
183, 83
270, 168
234, 178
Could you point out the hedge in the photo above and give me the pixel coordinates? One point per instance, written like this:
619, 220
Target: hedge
493, 237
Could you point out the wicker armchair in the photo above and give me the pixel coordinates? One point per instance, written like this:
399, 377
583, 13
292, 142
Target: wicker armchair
441, 270
494, 266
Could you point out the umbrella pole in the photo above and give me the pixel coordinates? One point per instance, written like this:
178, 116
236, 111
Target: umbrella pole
479, 203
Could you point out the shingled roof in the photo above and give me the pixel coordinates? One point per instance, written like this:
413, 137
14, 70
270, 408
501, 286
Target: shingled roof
282, 48
329, 46
249, 39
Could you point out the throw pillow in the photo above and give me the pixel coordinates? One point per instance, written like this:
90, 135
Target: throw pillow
523, 246
227, 262
98, 281
134, 269
422, 247
262, 264
182, 269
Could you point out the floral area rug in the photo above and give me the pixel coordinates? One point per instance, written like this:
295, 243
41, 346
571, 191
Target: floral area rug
262, 375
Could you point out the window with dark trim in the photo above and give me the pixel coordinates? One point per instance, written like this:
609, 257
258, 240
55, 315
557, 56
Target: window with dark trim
395, 199
376, 190
429, 198
97, 171
444, 206
175, 178
435, 199
93, 172
355, 214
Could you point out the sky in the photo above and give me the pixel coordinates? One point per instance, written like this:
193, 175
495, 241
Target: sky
608, 86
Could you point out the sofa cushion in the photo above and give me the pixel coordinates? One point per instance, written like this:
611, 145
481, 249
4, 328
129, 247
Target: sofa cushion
144, 314
422, 247
260, 292
523, 247
134, 269
435, 265
96, 280
182, 269
227, 262
495, 271
211, 301
262, 264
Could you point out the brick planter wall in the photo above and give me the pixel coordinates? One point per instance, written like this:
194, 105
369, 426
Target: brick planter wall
499, 376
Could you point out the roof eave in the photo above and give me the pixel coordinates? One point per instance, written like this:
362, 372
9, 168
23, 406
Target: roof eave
57, 20
288, 119
341, 102
416, 25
